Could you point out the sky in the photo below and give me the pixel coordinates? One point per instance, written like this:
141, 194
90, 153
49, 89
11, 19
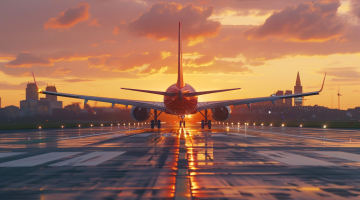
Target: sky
95, 47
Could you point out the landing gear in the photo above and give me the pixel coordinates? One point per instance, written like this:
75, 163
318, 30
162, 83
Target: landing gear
182, 122
152, 124
206, 121
155, 121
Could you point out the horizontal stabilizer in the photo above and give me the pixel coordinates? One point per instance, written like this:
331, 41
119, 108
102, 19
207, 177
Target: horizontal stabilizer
152, 92
207, 92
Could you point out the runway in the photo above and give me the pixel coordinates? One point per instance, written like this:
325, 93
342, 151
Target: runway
236, 162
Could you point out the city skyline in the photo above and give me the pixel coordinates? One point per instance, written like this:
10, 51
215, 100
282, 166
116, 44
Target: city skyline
106, 46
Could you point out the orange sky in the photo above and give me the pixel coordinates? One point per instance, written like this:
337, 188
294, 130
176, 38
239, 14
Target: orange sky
95, 47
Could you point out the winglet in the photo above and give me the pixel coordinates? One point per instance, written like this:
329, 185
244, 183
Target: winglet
323, 83
39, 90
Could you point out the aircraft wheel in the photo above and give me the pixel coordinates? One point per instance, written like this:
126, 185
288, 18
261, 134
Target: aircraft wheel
159, 124
180, 124
209, 124
202, 124
184, 124
152, 124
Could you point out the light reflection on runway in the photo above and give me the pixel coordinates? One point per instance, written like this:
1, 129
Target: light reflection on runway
171, 163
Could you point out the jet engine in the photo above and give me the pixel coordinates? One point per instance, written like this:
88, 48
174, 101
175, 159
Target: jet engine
139, 114
221, 114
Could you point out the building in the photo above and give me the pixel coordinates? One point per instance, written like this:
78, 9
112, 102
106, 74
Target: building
11, 112
279, 102
288, 102
297, 90
51, 88
32, 92
32, 106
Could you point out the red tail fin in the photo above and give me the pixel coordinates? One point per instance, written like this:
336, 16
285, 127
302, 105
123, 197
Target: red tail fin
180, 82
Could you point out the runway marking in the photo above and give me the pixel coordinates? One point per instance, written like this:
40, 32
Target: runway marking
300, 136
117, 135
142, 135
244, 135
218, 135
37, 160
91, 159
340, 154
3, 155
76, 137
168, 135
293, 159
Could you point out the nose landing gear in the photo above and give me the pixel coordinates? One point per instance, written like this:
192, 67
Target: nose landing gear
182, 122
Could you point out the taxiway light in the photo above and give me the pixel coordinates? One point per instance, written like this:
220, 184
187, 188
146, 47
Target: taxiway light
254, 124
270, 124
300, 125
262, 124
282, 125
62, 126
118, 124
79, 125
110, 124
91, 125
102, 124
39, 127
324, 126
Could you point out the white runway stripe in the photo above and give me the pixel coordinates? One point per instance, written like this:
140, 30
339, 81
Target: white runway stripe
7, 154
293, 159
91, 159
340, 154
142, 135
37, 160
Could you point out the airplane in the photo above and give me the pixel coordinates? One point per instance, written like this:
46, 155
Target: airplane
180, 99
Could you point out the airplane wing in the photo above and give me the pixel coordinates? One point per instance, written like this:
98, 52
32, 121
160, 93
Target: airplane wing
215, 104
143, 104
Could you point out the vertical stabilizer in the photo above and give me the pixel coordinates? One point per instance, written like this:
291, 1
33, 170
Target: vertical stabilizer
180, 82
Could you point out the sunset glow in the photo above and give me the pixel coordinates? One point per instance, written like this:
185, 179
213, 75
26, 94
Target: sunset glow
96, 47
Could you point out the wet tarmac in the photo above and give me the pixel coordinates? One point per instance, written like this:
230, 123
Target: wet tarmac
236, 162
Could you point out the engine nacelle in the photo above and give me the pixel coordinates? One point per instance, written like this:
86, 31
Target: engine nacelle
221, 114
139, 114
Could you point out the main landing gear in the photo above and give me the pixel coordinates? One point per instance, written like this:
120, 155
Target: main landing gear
155, 121
206, 121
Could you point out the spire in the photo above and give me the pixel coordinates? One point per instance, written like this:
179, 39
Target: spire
298, 83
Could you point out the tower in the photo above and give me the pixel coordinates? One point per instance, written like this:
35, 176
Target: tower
50, 97
279, 102
297, 90
288, 102
31, 92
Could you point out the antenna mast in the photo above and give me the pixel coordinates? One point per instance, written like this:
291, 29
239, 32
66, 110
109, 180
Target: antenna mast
339, 97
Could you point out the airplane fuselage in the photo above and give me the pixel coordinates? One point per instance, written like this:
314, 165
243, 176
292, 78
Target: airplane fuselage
180, 104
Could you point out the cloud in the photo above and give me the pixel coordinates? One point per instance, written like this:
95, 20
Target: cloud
28, 59
355, 8
61, 71
161, 22
7, 86
306, 22
74, 80
124, 63
342, 74
69, 17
